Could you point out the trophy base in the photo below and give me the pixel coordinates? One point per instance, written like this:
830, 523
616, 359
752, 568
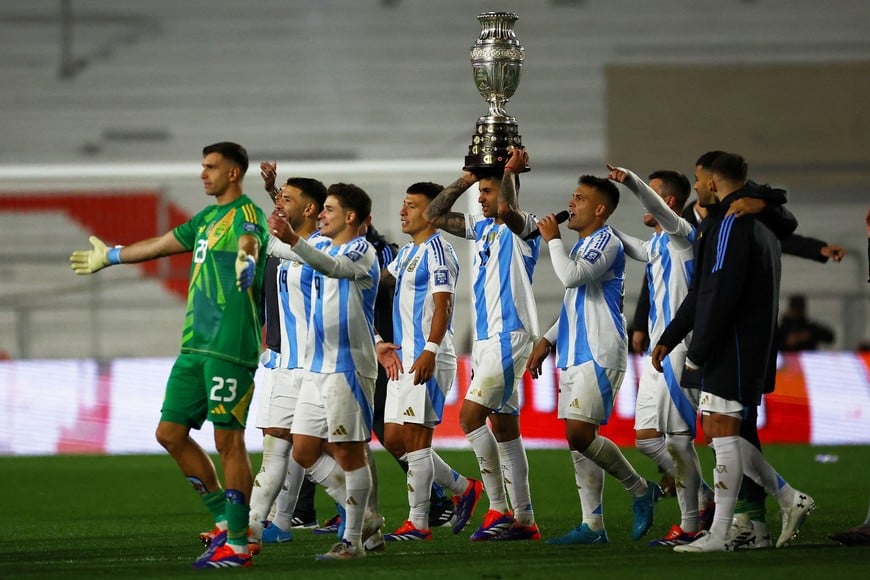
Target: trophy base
490, 147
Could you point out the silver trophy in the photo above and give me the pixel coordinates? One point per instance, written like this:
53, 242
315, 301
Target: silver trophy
496, 61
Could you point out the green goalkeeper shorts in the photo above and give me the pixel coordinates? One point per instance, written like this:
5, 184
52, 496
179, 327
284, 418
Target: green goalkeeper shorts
204, 387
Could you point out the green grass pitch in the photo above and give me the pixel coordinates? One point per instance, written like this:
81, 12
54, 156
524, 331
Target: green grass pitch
136, 516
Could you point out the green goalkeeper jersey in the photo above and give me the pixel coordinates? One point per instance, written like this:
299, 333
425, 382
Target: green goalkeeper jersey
221, 321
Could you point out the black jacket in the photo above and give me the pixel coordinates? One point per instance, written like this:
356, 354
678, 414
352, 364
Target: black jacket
732, 304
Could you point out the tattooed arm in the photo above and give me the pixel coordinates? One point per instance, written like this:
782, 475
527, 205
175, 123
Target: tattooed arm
438, 212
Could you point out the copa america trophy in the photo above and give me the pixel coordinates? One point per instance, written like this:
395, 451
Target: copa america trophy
496, 61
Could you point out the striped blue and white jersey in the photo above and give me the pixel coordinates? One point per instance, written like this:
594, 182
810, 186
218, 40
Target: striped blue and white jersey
341, 321
504, 264
669, 256
420, 272
294, 305
591, 325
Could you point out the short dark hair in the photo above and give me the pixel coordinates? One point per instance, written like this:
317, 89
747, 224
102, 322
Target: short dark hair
731, 166
496, 173
229, 150
676, 184
313, 189
353, 198
606, 187
706, 160
427, 188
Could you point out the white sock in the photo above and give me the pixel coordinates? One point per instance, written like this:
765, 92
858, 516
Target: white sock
590, 486
359, 486
267, 484
607, 455
285, 504
330, 476
726, 483
516, 478
756, 468
656, 450
420, 477
687, 479
448, 477
373, 502
486, 449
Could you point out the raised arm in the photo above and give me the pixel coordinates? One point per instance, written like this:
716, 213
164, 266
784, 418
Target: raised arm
674, 225
100, 256
635, 248
508, 202
355, 264
438, 211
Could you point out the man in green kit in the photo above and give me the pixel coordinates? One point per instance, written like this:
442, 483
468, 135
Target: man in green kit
213, 376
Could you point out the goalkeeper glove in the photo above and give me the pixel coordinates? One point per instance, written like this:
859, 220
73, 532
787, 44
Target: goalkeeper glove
245, 267
90, 261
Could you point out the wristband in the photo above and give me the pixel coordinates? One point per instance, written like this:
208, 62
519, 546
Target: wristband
378, 338
431, 347
114, 255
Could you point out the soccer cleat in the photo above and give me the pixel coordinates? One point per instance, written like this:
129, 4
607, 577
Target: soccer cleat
208, 537
375, 543
223, 557
217, 541
582, 534
330, 526
704, 543
273, 534
643, 508
298, 523
747, 534
442, 512
494, 524
518, 532
857, 536
676, 537
466, 503
343, 550
792, 517
408, 532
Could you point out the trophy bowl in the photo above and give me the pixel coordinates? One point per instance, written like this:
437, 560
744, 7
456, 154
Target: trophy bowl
496, 63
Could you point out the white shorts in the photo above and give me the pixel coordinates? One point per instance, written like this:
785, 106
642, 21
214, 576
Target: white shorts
418, 404
662, 404
335, 406
587, 392
280, 391
498, 364
711, 403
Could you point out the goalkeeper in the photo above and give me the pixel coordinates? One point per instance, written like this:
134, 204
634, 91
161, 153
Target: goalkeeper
213, 376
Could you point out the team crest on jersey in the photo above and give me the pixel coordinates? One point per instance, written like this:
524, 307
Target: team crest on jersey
592, 256
441, 278
413, 264
218, 231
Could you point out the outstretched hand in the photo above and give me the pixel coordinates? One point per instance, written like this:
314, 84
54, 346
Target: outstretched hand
85, 262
